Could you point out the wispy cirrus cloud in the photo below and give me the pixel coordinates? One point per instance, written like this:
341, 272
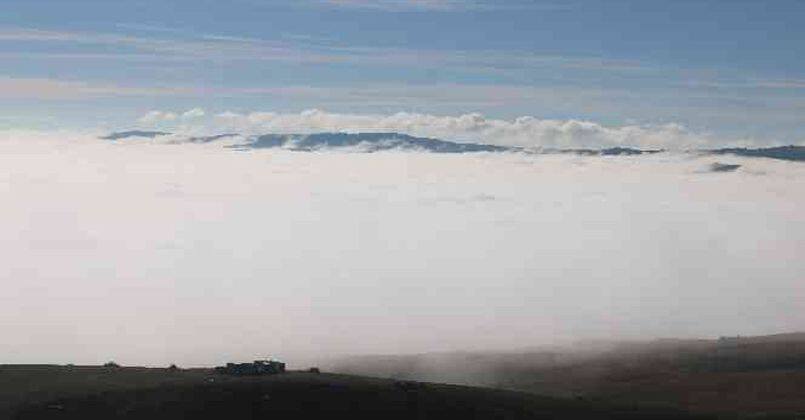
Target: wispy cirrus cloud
394, 5
780, 84
29, 34
441, 5
201, 46
384, 95
226, 48
53, 89
158, 45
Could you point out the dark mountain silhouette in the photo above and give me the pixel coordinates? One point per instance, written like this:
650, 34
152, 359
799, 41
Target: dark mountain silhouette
208, 139
612, 151
795, 153
134, 133
375, 142
369, 142
618, 151
723, 167
372, 142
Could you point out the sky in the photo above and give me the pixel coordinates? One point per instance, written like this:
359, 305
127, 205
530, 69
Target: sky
732, 71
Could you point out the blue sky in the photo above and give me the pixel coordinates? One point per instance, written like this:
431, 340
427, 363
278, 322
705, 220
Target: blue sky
734, 68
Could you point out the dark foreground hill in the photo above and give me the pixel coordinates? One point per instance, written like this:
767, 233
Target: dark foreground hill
87, 393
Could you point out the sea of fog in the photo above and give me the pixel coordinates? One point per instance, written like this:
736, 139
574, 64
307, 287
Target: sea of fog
150, 253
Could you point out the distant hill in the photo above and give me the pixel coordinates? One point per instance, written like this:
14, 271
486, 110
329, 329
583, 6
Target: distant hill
209, 139
611, 151
369, 142
723, 167
375, 142
795, 153
134, 133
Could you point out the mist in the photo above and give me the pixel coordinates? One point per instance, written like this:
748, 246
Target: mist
151, 254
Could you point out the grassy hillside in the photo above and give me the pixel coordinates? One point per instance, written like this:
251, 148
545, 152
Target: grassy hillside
752, 375
87, 393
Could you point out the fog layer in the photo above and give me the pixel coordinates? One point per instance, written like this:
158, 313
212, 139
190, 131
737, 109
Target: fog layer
194, 254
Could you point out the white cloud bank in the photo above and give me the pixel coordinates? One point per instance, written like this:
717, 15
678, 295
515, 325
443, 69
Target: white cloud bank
149, 253
194, 113
157, 117
524, 131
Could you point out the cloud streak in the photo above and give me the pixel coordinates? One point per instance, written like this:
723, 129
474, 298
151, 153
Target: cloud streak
441, 5
216, 47
396, 5
52, 89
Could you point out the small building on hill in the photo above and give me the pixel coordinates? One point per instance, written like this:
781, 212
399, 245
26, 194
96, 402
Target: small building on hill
258, 367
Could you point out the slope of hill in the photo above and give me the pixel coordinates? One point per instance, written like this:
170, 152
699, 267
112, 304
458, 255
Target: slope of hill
87, 393
736, 375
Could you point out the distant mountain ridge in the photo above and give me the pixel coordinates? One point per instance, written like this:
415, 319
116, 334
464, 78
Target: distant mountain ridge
134, 133
375, 142
370, 142
795, 153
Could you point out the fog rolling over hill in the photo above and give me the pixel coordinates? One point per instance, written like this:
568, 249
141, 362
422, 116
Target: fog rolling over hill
728, 375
